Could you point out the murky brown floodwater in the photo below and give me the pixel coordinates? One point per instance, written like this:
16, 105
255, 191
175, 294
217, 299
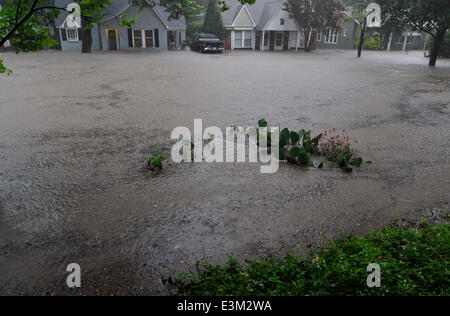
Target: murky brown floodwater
75, 131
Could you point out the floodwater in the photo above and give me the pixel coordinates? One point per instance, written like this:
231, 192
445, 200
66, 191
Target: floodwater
75, 131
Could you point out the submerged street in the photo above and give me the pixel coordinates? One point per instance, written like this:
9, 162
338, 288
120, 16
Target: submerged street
76, 129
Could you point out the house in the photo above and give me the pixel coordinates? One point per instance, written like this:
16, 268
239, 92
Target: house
333, 39
261, 26
406, 40
152, 31
7, 45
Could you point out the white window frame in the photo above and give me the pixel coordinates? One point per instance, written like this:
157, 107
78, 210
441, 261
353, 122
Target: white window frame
346, 33
72, 39
143, 37
243, 32
319, 36
332, 37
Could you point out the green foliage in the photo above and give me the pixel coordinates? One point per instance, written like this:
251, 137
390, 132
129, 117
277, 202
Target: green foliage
193, 27
444, 51
357, 162
155, 162
128, 21
4, 70
213, 20
343, 160
299, 148
262, 123
32, 35
371, 43
414, 260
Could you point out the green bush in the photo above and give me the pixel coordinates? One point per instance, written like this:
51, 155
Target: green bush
445, 47
193, 28
372, 43
414, 260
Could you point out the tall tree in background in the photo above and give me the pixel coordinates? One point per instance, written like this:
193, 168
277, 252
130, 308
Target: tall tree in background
429, 16
317, 15
213, 20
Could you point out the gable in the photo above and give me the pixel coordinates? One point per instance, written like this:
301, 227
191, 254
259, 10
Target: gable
276, 22
243, 19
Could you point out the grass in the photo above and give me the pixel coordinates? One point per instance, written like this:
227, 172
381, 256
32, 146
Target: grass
414, 260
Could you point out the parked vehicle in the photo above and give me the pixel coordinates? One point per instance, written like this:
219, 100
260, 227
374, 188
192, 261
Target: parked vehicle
207, 43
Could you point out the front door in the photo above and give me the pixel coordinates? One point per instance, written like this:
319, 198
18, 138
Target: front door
112, 39
278, 40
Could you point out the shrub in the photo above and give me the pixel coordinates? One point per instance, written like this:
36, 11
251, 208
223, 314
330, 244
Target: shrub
155, 162
414, 260
372, 43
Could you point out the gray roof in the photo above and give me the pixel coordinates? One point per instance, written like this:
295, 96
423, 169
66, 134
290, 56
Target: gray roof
171, 23
119, 6
262, 11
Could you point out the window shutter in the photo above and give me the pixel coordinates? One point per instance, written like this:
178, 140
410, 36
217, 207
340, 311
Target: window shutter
130, 37
63, 35
156, 38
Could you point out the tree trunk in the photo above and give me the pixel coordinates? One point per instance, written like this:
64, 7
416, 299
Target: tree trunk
361, 37
307, 44
86, 36
437, 46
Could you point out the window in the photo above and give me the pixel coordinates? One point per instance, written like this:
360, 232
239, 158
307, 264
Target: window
319, 36
279, 39
238, 39
242, 39
143, 38
266, 38
72, 35
331, 37
137, 38
148, 38
248, 39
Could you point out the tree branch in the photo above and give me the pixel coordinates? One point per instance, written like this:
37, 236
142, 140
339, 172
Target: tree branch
20, 23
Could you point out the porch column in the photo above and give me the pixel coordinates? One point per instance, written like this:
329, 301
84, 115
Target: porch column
425, 40
298, 41
232, 40
405, 41
262, 40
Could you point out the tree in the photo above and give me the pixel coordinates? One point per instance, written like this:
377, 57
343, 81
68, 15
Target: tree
317, 15
213, 20
429, 16
26, 24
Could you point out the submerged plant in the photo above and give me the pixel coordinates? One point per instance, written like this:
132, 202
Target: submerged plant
332, 144
155, 162
299, 148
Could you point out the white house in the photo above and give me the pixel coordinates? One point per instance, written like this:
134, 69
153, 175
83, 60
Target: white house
261, 26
